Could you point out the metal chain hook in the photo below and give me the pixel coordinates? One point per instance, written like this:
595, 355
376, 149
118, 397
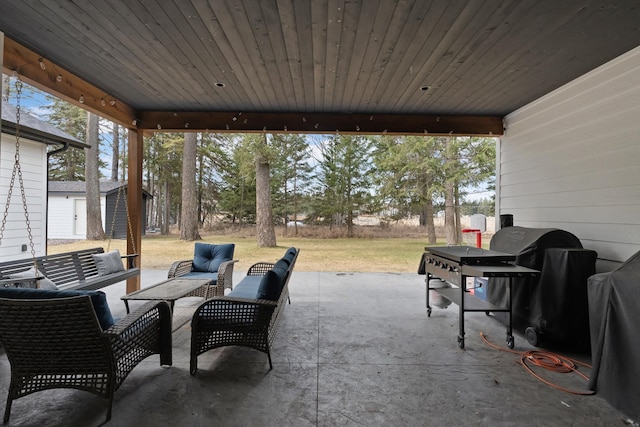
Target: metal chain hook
17, 170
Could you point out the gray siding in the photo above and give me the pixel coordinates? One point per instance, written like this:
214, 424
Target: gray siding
571, 160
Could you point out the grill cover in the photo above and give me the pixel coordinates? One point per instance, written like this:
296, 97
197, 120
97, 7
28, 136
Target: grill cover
555, 302
614, 303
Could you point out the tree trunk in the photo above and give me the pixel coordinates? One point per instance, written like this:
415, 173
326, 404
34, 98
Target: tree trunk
199, 191
431, 228
189, 213
166, 206
265, 229
95, 231
458, 219
115, 151
449, 213
151, 207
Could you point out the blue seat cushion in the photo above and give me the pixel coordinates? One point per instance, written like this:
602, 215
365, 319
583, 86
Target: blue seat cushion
208, 257
98, 299
247, 288
202, 275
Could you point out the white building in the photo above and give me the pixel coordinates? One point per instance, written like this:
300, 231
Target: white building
37, 139
571, 160
67, 216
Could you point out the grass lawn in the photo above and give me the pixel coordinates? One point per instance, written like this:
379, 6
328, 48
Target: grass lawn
379, 254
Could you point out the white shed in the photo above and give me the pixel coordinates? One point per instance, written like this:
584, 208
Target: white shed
67, 216
35, 137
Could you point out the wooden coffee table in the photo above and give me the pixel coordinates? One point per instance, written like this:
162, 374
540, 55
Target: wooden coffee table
170, 290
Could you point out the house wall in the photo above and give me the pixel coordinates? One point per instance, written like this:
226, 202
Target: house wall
62, 217
571, 160
33, 164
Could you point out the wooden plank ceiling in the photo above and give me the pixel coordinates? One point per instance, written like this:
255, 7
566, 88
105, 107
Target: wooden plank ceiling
368, 66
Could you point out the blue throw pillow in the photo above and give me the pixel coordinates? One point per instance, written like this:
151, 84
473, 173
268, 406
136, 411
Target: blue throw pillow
270, 286
281, 264
208, 257
290, 254
98, 299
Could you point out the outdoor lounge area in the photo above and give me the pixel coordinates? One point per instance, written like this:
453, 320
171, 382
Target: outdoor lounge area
556, 83
352, 349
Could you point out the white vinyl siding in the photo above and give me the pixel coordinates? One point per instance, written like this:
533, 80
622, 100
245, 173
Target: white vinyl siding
571, 160
33, 164
62, 219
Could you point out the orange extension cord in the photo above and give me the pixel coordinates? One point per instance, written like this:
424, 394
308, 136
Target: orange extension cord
549, 361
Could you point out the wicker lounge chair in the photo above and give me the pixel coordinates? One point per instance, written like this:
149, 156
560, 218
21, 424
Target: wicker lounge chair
59, 343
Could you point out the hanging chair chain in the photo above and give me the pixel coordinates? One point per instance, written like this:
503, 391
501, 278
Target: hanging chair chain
133, 239
113, 221
17, 170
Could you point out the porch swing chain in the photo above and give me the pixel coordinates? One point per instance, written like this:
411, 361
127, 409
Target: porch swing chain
17, 170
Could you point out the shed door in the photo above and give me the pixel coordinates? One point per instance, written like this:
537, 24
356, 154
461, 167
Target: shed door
80, 217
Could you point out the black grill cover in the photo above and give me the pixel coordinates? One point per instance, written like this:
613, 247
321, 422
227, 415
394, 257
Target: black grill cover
614, 304
555, 302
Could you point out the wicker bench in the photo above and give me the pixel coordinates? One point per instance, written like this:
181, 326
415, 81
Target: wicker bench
69, 270
249, 316
68, 339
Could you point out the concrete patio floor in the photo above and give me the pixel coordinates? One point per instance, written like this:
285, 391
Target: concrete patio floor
354, 349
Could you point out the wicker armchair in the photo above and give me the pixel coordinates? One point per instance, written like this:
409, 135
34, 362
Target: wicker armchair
211, 261
58, 343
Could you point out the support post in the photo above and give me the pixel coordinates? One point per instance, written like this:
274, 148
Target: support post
134, 201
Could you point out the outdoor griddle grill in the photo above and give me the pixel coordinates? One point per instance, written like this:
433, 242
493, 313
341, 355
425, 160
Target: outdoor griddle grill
455, 263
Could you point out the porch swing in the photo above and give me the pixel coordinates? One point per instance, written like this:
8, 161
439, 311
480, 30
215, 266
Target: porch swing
84, 269
36, 276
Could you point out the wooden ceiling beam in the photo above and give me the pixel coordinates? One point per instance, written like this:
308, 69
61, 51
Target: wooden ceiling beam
323, 123
43, 74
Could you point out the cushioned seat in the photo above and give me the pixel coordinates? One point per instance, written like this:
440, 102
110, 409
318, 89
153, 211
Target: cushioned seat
247, 288
68, 339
